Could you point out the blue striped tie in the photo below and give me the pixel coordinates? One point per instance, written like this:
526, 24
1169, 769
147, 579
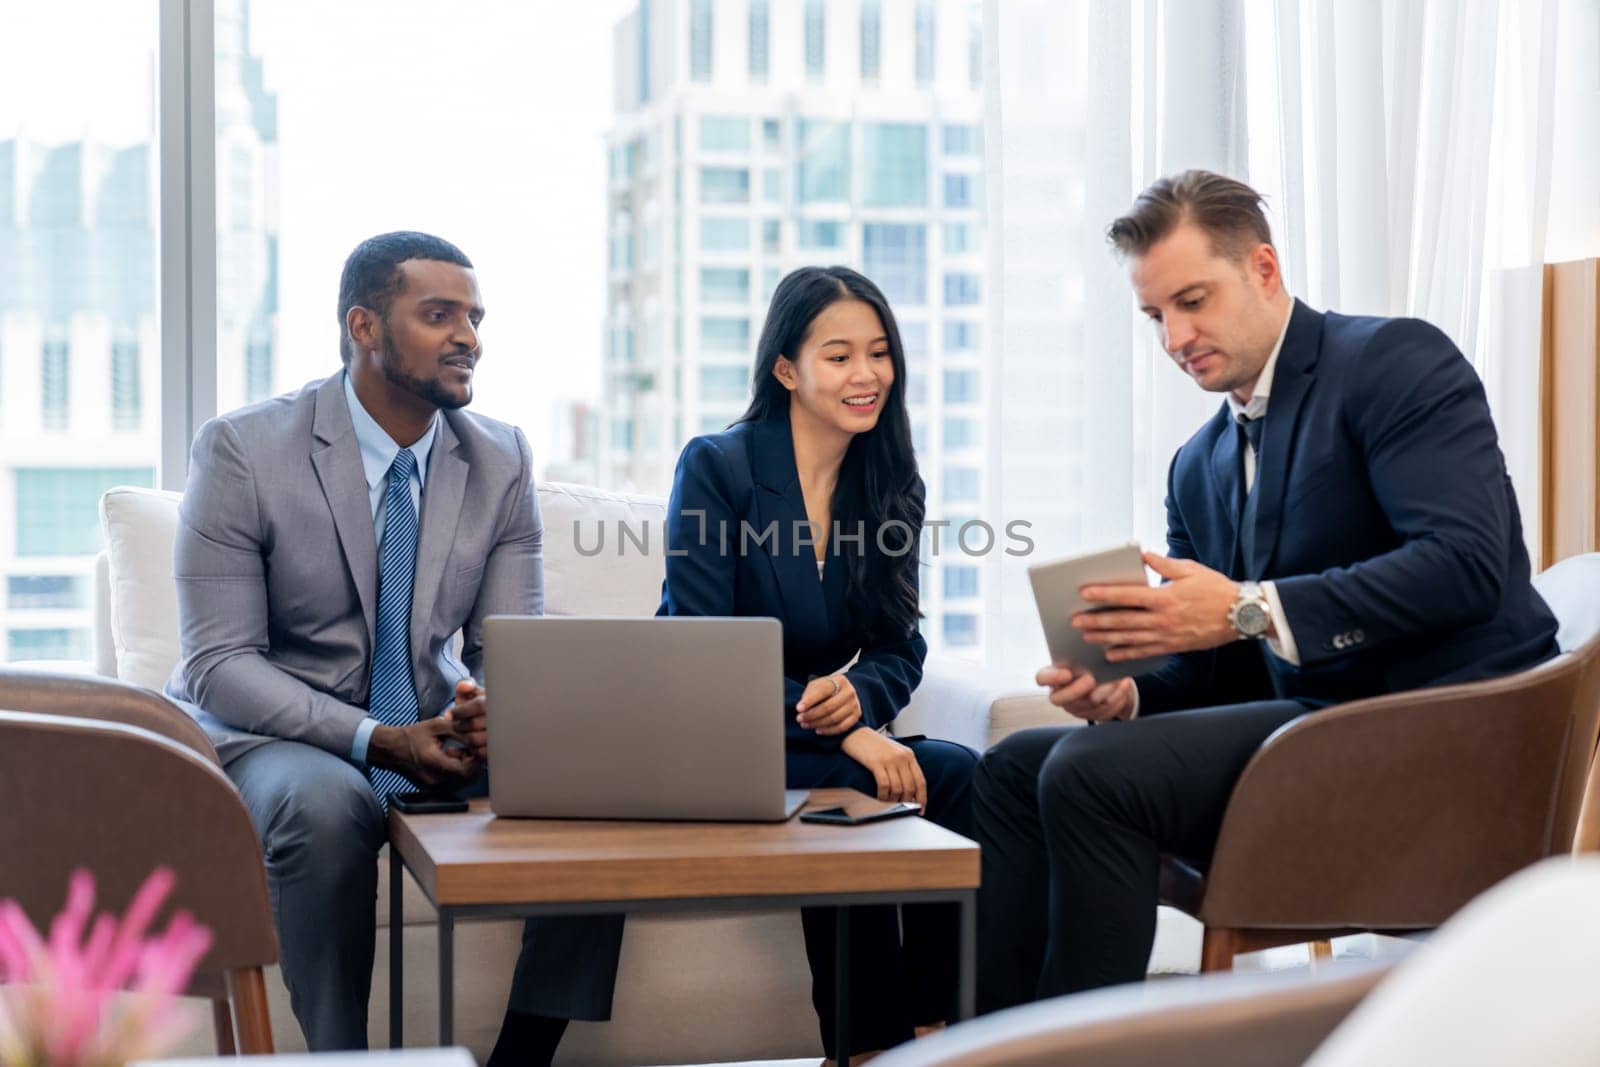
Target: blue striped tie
393, 697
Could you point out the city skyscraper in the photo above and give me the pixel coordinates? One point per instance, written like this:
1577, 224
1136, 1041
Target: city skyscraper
79, 336
757, 136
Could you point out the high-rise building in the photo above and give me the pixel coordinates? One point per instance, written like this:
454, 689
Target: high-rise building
756, 136
80, 353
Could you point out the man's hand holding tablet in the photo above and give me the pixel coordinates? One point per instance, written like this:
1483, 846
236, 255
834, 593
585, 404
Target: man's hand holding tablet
1121, 626
1077, 693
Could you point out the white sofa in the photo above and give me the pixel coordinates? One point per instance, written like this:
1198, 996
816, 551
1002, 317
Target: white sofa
693, 989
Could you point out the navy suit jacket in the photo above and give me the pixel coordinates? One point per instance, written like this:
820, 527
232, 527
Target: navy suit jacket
1386, 518
736, 546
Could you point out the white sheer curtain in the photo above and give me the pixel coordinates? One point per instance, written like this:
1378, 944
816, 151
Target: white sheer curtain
1088, 102
1406, 150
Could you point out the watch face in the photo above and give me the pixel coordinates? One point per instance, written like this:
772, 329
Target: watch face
1252, 619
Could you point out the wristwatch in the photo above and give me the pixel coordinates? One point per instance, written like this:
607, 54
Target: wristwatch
1250, 616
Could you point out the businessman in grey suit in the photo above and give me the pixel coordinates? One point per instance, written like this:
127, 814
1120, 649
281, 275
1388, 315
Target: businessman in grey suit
332, 544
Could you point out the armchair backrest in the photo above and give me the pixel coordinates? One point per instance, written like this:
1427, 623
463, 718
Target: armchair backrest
105, 699
1456, 788
121, 800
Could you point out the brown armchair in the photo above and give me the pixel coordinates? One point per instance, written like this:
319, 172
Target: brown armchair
114, 778
1389, 814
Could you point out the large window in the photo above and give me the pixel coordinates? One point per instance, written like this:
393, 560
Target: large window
622, 216
79, 336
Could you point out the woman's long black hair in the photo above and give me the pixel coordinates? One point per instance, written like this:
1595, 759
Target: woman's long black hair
878, 485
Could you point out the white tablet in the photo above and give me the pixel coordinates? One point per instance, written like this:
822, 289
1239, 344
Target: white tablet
1055, 592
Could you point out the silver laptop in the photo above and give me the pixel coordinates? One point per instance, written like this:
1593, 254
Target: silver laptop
629, 718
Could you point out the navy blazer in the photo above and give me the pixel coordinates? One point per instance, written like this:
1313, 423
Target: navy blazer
1386, 518
737, 545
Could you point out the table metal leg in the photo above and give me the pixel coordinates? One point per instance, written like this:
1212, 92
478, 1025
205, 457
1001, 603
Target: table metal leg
397, 943
447, 977
841, 987
968, 982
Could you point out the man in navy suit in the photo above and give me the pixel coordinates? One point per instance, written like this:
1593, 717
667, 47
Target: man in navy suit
1355, 534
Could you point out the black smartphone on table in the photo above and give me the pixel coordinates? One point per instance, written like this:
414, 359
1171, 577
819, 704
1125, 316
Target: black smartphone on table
841, 817
420, 803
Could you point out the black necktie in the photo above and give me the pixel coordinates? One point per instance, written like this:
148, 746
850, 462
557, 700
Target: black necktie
1250, 430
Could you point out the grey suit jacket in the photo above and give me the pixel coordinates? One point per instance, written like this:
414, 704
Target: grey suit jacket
277, 568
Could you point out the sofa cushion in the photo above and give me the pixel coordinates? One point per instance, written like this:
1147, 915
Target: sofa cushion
140, 526
604, 553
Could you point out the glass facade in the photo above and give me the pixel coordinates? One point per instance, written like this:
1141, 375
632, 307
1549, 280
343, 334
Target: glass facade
895, 164
961, 139
720, 334
924, 54
819, 234
724, 235
47, 592
724, 133
962, 190
58, 508
125, 385
960, 432
823, 167
960, 335
700, 40
871, 39
724, 185
960, 580
52, 643
54, 376
760, 39
962, 485
960, 238
816, 34
960, 630
961, 288
895, 255
724, 285
831, 179
724, 384
960, 386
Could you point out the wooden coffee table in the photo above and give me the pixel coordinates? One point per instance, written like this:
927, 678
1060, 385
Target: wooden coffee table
477, 866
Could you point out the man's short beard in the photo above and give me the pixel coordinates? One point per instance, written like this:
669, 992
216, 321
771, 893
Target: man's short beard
428, 389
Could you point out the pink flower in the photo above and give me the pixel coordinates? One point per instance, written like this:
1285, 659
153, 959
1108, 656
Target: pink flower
100, 993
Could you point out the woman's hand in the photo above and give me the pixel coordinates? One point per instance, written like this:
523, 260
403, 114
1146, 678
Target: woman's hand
892, 764
829, 705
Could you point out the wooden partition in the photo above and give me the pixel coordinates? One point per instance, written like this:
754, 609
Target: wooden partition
1569, 421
